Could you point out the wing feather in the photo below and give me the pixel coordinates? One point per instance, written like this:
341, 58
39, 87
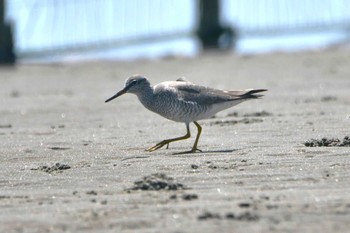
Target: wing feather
189, 92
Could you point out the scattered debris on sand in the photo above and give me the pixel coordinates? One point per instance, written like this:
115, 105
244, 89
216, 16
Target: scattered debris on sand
92, 192
189, 197
258, 114
329, 98
253, 114
234, 122
185, 196
157, 181
245, 216
328, 142
59, 148
208, 215
6, 126
58, 167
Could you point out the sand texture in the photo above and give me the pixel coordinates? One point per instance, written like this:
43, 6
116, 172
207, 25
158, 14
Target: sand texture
71, 163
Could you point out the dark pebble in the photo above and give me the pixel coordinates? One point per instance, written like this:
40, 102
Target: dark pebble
92, 192
244, 205
189, 197
208, 215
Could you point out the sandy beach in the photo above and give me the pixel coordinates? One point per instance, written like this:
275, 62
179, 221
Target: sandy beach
69, 161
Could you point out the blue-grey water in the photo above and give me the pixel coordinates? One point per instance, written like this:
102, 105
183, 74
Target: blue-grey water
108, 26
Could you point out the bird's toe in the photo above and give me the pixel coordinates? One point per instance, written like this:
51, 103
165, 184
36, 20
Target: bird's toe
158, 146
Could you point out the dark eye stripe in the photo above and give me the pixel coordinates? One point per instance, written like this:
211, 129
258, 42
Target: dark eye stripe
133, 82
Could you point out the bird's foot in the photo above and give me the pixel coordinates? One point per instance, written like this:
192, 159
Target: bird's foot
158, 146
194, 150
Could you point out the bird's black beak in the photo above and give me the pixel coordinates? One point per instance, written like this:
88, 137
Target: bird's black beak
122, 92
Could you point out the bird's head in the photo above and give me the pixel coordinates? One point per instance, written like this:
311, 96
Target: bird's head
134, 84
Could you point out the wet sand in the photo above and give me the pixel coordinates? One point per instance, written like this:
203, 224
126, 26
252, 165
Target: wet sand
71, 163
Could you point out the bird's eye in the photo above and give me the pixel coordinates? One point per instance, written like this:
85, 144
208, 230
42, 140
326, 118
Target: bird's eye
132, 83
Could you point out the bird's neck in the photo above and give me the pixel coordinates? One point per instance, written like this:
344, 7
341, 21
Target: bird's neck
146, 96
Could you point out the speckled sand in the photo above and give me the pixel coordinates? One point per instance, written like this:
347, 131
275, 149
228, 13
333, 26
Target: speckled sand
254, 175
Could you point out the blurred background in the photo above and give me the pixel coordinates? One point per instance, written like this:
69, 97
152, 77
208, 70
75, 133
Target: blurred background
77, 30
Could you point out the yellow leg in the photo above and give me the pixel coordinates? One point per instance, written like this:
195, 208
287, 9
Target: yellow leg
167, 141
194, 148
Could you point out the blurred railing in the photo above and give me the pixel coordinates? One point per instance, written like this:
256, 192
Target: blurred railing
51, 26
44, 27
275, 17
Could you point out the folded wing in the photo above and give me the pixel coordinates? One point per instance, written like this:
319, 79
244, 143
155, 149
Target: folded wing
205, 95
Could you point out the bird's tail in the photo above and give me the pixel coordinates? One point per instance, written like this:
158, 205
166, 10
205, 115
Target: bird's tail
251, 94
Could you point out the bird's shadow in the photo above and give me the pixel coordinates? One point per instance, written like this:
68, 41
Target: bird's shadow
206, 152
183, 153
